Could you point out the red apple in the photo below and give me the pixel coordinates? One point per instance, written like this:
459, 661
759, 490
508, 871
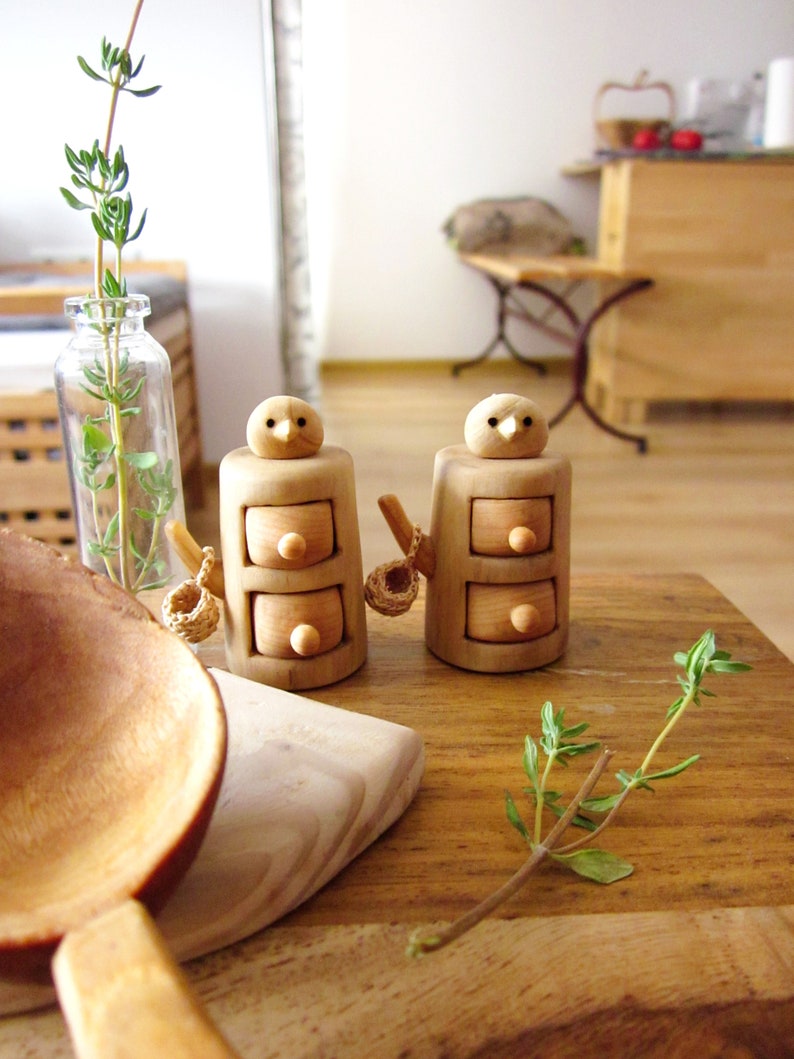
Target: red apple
686, 140
646, 140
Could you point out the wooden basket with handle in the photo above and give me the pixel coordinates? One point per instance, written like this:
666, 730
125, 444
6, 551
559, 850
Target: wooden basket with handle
619, 133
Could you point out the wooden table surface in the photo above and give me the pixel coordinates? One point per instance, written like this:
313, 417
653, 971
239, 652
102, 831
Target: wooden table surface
692, 954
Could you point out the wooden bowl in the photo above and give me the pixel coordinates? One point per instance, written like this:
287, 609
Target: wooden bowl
112, 748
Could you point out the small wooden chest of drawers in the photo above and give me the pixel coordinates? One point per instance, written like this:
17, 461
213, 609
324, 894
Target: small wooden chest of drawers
498, 599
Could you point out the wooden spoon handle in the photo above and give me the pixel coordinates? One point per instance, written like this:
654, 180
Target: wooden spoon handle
122, 993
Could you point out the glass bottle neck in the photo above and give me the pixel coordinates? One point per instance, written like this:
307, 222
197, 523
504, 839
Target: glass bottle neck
125, 315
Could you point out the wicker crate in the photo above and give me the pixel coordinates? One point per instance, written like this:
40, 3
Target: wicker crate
34, 485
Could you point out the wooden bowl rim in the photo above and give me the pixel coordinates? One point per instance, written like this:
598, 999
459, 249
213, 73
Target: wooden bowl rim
155, 873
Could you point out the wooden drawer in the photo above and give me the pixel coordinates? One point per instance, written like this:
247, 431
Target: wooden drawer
510, 613
298, 624
290, 537
510, 527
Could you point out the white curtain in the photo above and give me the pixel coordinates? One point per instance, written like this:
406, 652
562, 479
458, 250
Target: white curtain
284, 67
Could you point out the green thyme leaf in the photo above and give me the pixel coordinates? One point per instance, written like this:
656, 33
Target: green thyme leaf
142, 93
600, 805
530, 759
95, 438
595, 864
719, 665
674, 771
514, 817
91, 73
112, 529
141, 460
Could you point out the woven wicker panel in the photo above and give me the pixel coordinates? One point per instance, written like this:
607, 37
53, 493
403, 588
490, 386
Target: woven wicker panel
34, 486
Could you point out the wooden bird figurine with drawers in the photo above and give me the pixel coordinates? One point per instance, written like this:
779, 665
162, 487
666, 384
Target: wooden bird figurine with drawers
497, 558
294, 614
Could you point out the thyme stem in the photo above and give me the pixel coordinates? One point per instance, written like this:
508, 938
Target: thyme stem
541, 798
635, 781
114, 97
558, 743
540, 851
686, 701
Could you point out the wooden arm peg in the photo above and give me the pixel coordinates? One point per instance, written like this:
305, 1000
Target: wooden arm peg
523, 617
403, 531
189, 551
522, 540
292, 546
305, 640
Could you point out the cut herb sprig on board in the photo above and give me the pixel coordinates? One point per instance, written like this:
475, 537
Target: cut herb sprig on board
587, 811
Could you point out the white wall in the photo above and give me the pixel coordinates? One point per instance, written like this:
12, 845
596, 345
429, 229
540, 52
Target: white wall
417, 106
198, 157
412, 108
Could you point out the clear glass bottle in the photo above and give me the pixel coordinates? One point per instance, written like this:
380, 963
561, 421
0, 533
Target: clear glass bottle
116, 406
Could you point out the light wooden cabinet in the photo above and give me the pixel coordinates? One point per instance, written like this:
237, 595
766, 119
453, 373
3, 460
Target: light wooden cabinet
717, 238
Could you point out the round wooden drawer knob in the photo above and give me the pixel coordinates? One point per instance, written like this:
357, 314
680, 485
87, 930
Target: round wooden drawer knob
305, 640
292, 546
523, 617
522, 540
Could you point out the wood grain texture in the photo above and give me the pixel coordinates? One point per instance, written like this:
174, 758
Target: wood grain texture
699, 844
702, 842
693, 954
307, 787
655, 984
618, 675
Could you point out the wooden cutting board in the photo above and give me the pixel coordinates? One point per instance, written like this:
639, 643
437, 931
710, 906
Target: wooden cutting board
307, 787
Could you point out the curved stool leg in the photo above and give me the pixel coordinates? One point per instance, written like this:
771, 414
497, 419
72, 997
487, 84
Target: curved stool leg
581, 360
502, 294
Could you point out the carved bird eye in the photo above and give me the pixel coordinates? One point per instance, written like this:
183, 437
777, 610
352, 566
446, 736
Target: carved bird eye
527, 421
271, 423
493, 422
301, 421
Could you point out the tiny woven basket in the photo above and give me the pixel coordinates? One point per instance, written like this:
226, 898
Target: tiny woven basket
392, 588
190, 610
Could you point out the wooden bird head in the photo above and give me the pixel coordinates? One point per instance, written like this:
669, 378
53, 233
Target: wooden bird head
284, 428
506, 426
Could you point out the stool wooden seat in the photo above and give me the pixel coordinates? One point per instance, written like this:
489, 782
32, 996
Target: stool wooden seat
516, 267
513, 270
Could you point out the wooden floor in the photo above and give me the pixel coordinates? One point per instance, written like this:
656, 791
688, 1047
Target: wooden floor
714, 494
